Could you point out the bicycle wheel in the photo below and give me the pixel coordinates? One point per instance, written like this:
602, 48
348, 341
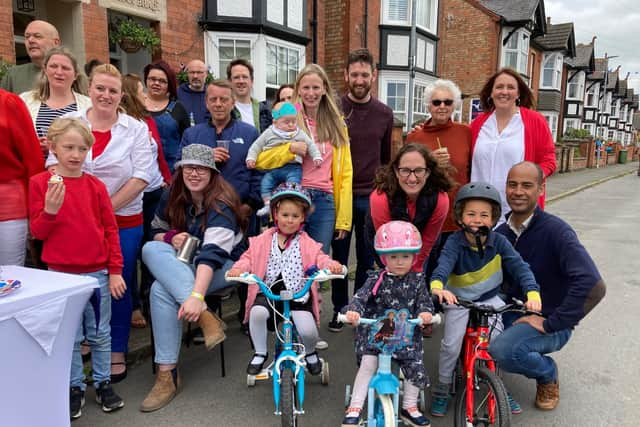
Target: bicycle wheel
383, 411
490, 395
288, 414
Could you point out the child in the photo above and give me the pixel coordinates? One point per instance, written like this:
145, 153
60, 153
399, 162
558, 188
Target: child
280, 256
470, 266
72, 213
283, 130
395, 287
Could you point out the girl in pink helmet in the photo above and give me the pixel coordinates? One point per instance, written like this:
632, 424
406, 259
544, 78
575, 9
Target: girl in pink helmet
396, 287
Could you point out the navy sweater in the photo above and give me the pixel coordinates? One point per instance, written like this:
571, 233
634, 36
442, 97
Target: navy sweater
194, 103
562, 267
245, 181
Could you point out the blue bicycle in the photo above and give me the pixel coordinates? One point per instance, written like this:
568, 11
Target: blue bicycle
288, 368
385, 387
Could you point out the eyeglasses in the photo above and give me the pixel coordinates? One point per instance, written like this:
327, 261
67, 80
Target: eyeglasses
418, 172
157, 80
200, 170
437, 102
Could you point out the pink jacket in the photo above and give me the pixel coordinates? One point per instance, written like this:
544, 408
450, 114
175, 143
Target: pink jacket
256, 258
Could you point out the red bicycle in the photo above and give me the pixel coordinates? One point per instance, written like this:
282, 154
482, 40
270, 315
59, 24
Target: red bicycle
482, 400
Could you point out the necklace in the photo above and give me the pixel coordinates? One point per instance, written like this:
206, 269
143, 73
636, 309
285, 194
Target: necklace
153, 106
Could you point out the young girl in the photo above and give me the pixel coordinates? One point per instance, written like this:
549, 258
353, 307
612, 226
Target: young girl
72, 213
280, 256
395, 287
470, 266
284, 129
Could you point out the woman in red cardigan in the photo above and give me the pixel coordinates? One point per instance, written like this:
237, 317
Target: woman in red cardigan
508, 132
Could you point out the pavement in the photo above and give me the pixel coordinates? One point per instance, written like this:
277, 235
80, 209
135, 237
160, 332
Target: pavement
559, 186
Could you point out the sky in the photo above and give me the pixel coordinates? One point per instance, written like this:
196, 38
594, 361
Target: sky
616, 23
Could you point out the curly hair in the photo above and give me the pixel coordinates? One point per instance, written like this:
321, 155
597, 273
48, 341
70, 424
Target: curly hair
438, 180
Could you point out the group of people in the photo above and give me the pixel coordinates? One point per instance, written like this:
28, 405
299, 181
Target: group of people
133, 175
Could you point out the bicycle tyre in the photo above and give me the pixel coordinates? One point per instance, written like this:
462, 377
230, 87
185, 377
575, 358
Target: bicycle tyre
384, 413
488, 383
288, 414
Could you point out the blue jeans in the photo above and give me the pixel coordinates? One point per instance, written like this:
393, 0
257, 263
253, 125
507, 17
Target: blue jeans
173, 285
521, 349
121, 309
340, 287
321, 223
99, 341
291, 172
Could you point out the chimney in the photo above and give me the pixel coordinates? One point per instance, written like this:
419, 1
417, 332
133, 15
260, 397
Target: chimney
593, 40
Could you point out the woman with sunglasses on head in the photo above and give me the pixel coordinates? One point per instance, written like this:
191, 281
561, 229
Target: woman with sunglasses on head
508, 132
412, 188
450, 144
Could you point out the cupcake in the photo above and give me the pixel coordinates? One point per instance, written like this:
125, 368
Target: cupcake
55, 179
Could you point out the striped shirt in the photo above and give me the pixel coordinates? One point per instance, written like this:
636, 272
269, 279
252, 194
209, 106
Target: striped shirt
46, 116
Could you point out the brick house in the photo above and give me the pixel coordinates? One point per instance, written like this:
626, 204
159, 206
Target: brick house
580, 104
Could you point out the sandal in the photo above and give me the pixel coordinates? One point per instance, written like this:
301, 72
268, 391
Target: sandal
138, 320
116, 378
256, 368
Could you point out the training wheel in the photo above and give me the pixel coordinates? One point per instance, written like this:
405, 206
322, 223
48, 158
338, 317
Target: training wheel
251, 380
324, 376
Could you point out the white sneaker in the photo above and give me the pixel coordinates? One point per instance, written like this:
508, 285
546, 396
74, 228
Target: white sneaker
264, 211
321, 344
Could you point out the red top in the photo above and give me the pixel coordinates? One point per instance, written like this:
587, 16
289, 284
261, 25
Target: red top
381, 214
162, 162
456, 137
102, 139
83, 236
20, 156
539, 147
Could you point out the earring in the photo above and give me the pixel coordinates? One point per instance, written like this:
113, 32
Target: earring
518, 101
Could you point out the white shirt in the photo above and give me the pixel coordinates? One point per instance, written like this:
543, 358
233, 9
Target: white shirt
519, 230
246, 111
495, 153
127, 155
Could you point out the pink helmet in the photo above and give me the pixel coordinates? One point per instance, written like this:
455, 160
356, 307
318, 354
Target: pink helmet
397, 236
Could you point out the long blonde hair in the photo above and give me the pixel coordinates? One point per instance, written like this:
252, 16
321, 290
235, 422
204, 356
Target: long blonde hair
42, 91
329, 123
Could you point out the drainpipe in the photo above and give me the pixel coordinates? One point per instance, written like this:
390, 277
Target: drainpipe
365, 18
412, 64
314, 24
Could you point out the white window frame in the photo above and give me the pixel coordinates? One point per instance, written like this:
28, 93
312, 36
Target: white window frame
552, 120
589, 127
614, 108
431, 26
571, 123
593, 93
578, 83
290, 47
401, 77
521, 48
551, 63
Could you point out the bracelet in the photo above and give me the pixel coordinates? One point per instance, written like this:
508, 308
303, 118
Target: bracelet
168, 236
197, 295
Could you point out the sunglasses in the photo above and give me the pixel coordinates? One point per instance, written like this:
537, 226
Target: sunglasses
437, 102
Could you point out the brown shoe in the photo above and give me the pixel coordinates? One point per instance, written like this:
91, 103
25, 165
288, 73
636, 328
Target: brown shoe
548, 396
212, 328
163, 391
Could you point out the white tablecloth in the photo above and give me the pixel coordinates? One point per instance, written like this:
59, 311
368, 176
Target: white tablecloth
38, 324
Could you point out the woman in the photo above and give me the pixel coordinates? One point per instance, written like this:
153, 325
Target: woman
20, 158
450, 144
61, 89
508, 132
412, 188
121, 158
199, 203
170, 115
133, 104
285, 93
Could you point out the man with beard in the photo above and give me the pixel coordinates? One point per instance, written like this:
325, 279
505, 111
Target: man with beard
192, 94
39, 37
370, 123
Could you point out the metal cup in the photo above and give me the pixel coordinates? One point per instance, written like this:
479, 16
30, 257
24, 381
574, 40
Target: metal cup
188, 249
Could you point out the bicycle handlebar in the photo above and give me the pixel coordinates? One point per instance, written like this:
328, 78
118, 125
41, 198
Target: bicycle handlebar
320, 275
436, 319
515, 306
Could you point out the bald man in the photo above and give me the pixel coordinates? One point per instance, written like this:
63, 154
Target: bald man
192, 94
39, 37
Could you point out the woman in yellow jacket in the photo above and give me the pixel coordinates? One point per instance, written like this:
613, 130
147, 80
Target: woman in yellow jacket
330, 183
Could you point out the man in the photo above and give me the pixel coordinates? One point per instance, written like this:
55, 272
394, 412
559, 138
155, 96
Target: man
39, 37
192, 94
370, 123
570, 285
230, 161
247, 109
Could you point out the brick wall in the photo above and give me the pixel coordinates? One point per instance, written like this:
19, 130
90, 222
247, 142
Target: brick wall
468, 48
181, 38
336, 40
7, 48
320, 33
95, 30
535, 65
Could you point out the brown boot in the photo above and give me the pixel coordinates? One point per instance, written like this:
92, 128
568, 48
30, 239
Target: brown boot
212, 328
163, 391
548, 396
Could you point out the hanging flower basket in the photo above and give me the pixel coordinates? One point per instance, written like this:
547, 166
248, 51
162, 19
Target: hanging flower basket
130, 46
